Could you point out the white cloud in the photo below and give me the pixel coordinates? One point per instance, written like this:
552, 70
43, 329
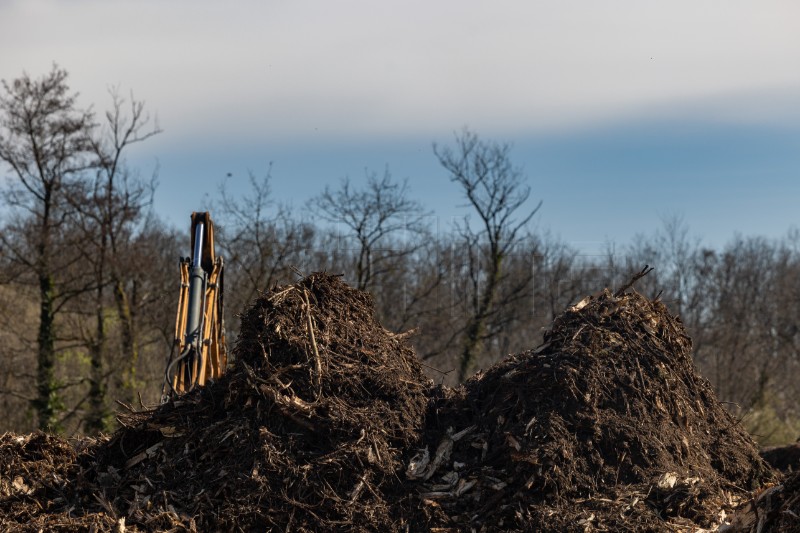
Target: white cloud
278, 69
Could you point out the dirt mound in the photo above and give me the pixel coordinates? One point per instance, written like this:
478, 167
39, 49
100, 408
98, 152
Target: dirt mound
305, 433
605, 426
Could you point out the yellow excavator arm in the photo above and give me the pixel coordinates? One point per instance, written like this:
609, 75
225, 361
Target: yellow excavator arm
199, 327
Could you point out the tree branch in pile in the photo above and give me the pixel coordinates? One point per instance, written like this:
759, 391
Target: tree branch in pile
317, 361
645, 271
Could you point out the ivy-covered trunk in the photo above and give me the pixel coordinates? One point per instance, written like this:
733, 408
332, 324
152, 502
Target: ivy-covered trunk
130, 352
46, 403
97, 419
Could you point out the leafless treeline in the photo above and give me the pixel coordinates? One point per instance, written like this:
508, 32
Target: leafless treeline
89, 282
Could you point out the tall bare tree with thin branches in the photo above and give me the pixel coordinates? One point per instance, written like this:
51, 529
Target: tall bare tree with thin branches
373, 215
498, 193
107, 211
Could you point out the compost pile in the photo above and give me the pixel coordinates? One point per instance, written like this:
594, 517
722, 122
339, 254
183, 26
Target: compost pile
305, 433
606, 426
327, 423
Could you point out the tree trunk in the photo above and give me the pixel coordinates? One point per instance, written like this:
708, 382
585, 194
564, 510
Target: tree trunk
130, 352
477, 324
46, 403
97, 419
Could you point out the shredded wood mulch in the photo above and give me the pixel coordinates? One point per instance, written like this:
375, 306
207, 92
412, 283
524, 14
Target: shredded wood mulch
305, 433
776, 509
327, 423
36, 472
604, 427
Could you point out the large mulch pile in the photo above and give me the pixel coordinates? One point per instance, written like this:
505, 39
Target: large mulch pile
604, 427
327, 423
306, 433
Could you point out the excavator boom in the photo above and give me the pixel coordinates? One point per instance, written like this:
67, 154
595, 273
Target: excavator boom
199, 326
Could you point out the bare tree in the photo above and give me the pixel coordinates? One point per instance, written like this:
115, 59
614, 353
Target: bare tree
374, 216
498, 194
107, 211
45, 140
259, 241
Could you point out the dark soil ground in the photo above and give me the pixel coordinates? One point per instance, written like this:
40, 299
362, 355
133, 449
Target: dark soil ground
326, 422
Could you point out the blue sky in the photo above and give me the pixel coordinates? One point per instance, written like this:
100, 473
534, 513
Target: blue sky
601, 184
620, 112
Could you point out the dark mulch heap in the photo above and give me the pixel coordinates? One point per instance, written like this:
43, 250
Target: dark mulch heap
606, 426
305, 433
326, 423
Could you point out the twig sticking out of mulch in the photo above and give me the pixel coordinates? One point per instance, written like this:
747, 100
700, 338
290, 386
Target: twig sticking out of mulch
605, 426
